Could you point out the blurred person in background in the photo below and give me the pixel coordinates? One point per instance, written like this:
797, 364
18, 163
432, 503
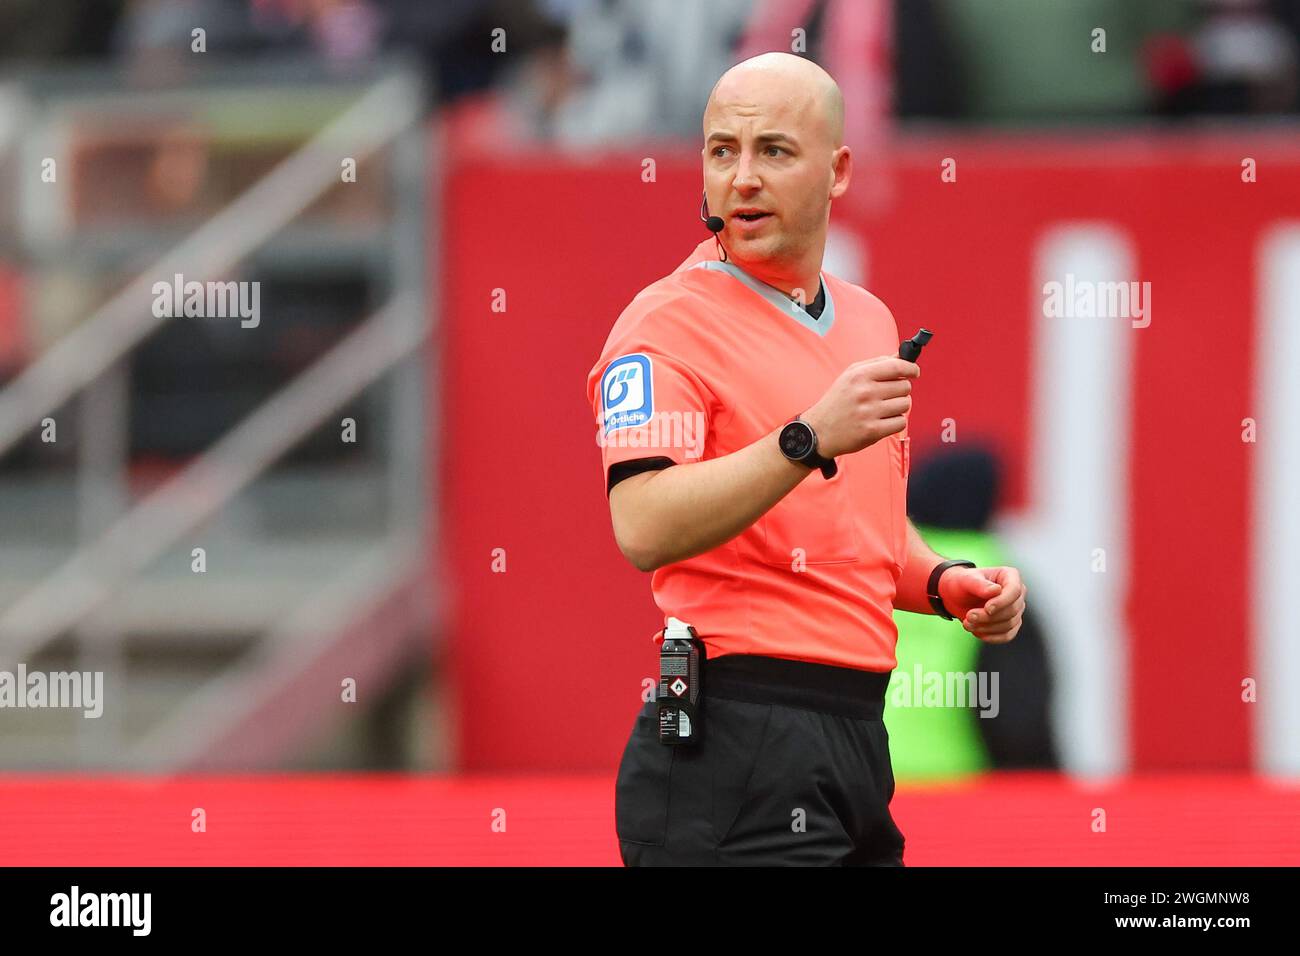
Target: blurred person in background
1241, 58
644, 69
610, 71
951, 499
452, 38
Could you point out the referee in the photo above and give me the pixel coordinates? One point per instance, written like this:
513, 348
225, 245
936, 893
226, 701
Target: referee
752, 414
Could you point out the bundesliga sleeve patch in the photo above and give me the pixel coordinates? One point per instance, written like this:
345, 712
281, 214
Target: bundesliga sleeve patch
627, 392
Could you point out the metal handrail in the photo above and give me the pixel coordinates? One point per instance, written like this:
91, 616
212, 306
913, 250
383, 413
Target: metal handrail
121, 544
73, 591
86, 352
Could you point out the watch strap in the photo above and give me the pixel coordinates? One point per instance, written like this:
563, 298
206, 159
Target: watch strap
932, 586
816, 459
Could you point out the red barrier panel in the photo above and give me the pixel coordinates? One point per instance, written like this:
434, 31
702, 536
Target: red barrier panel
550, 653
1013, 819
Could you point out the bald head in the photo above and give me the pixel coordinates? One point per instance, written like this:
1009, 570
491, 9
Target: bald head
786, 84
774, 160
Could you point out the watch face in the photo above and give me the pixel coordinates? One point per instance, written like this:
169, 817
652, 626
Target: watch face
796, 440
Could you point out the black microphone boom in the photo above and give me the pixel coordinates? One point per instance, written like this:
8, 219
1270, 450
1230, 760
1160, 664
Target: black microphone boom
715, 225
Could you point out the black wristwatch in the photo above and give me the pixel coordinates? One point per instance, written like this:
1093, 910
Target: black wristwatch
932, 586
799, 443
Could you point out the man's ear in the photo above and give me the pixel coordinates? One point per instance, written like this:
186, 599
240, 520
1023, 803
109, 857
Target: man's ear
842, 170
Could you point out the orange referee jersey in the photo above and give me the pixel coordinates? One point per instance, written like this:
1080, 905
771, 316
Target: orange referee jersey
708, 360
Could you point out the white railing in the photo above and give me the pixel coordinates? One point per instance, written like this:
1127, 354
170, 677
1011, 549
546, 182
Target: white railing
120, 543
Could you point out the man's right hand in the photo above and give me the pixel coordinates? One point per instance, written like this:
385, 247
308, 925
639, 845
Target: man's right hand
865, 404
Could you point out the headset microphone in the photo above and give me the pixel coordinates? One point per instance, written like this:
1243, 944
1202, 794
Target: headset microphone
715, 225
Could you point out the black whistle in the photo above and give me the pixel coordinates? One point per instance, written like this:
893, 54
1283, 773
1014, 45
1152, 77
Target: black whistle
911, 349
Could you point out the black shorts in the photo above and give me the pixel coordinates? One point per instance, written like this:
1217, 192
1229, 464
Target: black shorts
792, 768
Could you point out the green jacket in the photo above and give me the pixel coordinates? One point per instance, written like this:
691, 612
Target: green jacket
930, 735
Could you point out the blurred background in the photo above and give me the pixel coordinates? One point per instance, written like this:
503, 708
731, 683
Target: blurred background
323, 542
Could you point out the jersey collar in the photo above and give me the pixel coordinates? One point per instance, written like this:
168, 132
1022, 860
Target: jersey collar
780, 301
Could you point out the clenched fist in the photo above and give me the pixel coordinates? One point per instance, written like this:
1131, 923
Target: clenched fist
989, 602
865, 404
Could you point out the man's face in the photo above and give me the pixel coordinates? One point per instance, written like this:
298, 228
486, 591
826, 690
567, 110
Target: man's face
768, 151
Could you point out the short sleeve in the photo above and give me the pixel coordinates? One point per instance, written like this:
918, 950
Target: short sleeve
648, 405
